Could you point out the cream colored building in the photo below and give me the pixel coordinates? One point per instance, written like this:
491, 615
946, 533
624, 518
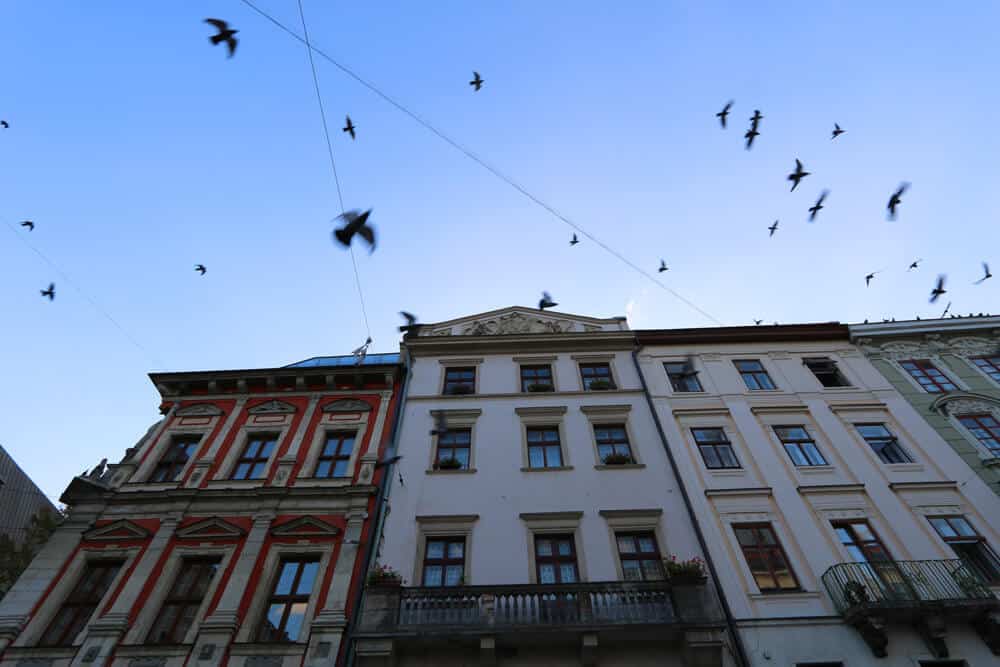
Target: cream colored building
834, 513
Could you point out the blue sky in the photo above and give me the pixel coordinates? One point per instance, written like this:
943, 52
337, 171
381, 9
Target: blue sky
139, 150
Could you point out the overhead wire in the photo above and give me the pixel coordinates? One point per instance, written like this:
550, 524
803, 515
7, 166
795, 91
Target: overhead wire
478, 160
333, 162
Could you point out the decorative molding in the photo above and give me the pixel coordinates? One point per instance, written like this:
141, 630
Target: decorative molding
458, 414
123, 529
923, 486
551, 516
707, 411
306, 526
938, 510
535, 360
606, 410
745, 491
213, 528
347, 405
517, 323
273, 406
807, 489
844, 513
964, 403
546, 411
603, 356
199, 410
746, 517
972, 346
857, 406
631, 514
470, 361
778, 409
446, 518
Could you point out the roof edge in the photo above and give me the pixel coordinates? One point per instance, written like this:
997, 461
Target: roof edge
745, 334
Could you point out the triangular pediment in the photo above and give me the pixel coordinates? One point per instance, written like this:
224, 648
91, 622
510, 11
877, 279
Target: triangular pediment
272, 407
518, 320
213, 528
306, 526
116, 530
347, 405
199, 410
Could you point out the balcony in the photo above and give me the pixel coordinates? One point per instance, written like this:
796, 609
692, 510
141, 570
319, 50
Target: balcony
926, 593
519, 615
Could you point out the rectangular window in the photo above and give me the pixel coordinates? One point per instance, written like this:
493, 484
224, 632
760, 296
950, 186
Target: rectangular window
181, 449
883, 443
640, 556
544, 450
596, 376
253, 461
765, 557
861, 541
81, 603
800, 446
183, 601
927, 374
555, 559
826, 372
536, 378
444, 561
286, 608
453, 449
612, 444
753, 374
683, 376
715, 448
459, 380
986, 429
989, 365
336, 455
969, 545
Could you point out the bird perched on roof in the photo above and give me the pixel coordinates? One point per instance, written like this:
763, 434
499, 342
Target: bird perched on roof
939, 290
349, 128
360, 352
200, 268
411, 322
50, 292
758, 322
225, 34
574, 240
836, 132
986, 274
797, 175
355, 222
546, 301
663, 267
722, 115
773, 228
896, 199
815, 208
29, 224
477, 81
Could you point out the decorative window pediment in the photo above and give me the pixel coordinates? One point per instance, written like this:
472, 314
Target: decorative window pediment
199, 410
210, 529
904, 350
347, 405
306, 526
965, 403
115, 531
272, 407
972, 346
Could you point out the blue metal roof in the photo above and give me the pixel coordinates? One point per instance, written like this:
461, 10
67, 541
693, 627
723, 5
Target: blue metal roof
347, 360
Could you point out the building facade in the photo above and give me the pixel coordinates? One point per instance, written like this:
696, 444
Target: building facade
949, 371
844, 528
20, 499
533, 507
235, 532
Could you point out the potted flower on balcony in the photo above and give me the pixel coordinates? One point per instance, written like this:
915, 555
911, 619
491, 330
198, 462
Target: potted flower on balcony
599, 384
450, 463
691, 571
385, 576
535, 387
459, 389
616, 459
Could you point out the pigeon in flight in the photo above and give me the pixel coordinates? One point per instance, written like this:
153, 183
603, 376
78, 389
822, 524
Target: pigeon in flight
546, 301
440, 425
986, 274
4, 124
836, 132
50, 292
914, 264
349, 128
411, 321
797, 175
355, 222
758, 322
575, 240
200, 268
815, 208
29, 224
868, 278
477, 81
663, 267
225, 34
773, 228
938, 290
756, 117
896, 199
722, 115
751, 134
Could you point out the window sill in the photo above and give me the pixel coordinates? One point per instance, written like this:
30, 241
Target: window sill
457, 471
786, 595
849, 387
260, 648
322, 481
815, 470
553, 469
904, 467
619, 466
235, 483
145, 650
726, 472
764, 391
675, 392
41, 652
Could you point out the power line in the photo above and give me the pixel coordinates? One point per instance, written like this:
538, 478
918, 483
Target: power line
478, 160
333, 162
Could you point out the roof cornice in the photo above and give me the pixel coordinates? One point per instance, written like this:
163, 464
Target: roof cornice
750, 334
423, 346
918, 327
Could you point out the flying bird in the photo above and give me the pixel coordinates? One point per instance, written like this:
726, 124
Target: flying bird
755, 118
896, 199
4, 124
751, 134
29, 224
440, 425
200, 268
986, 274
815, 208
477, 81
758, 322
722, 115
868, 278
355, 222
411, 321
225, 34
914, 264
546, 301
946, 309
939, 290
50, 292
575, 240
663, 267
773, 228
349, 128
836, 132
797, 175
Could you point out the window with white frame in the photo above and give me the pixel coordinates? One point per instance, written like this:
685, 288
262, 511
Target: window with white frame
800, 446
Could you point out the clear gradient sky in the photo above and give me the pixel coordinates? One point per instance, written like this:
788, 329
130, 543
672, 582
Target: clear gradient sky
139, 150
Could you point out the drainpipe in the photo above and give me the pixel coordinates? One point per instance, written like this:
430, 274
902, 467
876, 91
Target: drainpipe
371, 549
737, 640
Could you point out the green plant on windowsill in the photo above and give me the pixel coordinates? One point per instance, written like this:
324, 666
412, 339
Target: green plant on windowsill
384, 575
599, 385
617, 460
540, 386
459, 390
681, 571
448, 464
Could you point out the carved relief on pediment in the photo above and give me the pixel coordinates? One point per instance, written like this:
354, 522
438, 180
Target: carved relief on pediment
904, 350
516, 323
972, 346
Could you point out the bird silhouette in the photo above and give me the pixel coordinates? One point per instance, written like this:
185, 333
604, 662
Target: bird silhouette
914, 264
200, 268
546, 301
225, 34
868, 278
29, 224
836, 132
50, 292
896, 199
815, 208
401, 483
946, 309
4, 124
986, 274
355, 222
773, 228
574, 241
756, 117
477, 81
722, 115
758, 322
751, 134
411, 321
663, 267
939, 290
797, 175
349, 128
440, 425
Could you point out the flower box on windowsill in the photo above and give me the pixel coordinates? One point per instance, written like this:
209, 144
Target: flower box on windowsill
684, 572
383, 576
537, 387
617, 460
459, 390
599, 385
448, 464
